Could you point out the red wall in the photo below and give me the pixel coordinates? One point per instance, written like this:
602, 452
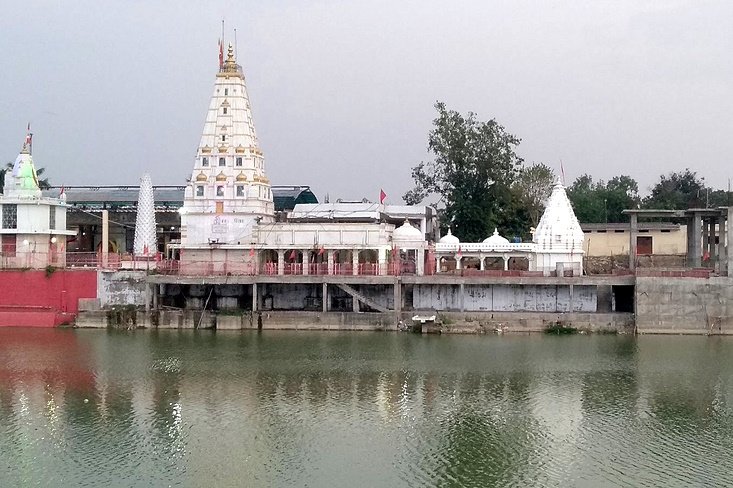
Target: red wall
60, 290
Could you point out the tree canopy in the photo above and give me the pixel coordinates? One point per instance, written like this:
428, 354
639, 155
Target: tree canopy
533, 188
596, 202
677, 191
473, 167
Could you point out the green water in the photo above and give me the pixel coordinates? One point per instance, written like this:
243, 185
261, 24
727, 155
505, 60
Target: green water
100, 408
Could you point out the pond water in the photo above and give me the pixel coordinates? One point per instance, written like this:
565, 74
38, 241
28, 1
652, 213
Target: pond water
170, 408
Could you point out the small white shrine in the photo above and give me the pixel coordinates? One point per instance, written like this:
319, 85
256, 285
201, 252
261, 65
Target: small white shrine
32, 227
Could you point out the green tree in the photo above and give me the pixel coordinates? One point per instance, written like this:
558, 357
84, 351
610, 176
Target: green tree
677, 191
532, 188
472, 170
596, 202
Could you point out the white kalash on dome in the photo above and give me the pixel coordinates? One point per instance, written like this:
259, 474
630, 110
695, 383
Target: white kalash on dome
558, 236
496, 240
449, 238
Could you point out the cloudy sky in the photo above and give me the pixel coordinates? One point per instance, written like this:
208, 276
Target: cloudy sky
343, 91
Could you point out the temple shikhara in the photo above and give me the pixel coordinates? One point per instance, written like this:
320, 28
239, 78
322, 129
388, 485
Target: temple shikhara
229, 223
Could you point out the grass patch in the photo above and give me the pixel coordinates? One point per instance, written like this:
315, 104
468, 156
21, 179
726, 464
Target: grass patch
559, 328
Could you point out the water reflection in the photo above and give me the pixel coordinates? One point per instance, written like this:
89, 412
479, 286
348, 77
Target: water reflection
92, 408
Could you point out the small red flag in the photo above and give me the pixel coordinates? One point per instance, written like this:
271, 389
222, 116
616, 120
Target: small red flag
251, 252
460, 253
382, 196
321, 251
292, 255
221, 54
145, 249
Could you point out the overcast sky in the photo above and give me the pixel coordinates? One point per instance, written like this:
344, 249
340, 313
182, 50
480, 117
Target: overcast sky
342, 91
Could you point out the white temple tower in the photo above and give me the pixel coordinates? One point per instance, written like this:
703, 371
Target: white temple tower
559, 237
146, 240
228, 193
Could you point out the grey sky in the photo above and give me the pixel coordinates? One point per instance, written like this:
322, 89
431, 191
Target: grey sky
343, 92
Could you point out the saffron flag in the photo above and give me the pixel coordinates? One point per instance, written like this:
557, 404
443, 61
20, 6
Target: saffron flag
382, 196
251, 252
321, 251
292, 255
145, 249
221, 54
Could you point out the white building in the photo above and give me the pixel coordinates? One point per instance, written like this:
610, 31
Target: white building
228, 223
32, 227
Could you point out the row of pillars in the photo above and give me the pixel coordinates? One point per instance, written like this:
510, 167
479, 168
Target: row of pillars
482, 261
152, 297
701, 233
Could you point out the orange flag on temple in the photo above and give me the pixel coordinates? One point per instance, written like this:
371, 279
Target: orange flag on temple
292, 255
382, 196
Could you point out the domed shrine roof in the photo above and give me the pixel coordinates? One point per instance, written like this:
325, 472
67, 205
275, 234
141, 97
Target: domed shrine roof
496, 240
449, 238
406, 232
559, 227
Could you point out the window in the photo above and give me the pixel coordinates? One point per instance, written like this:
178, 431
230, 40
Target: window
226, 91
10, 216
199, 190
240, 191
204, 161
239, 161
225, 110
223, 138
222, 162
51, 217
9, 245
219, 190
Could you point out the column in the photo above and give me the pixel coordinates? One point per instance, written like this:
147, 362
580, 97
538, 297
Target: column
355, 264
722, 248
147, 296
482, 264
570, 291
254, 297
458, 263
397, 299
329, 255
712, 247
505, 257
155, 297
280, 262
325, 297
306, 262
382, 262
462, 297
633, 230
437, 264
420, 265
728, 240
105, 238
705, 238
694, 246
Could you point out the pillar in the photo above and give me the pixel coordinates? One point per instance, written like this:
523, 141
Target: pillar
355, 265
329, 255
570, 291
397, 299
325, 297
458, 263
482, 264
437, 264
147, 296
712, 248
633, 231
506, 262
705, 238
382, 262
728, 240
280, 262
462, 297
420, 265
306, 262
155, 297
694, 231
105, 238
254, 297
722, 248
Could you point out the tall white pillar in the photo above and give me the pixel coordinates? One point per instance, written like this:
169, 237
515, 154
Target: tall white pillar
280, 262
306, 262
354, 261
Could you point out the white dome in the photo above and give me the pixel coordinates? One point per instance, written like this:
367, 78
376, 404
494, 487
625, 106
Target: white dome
449, 238
407, 232
496, 240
